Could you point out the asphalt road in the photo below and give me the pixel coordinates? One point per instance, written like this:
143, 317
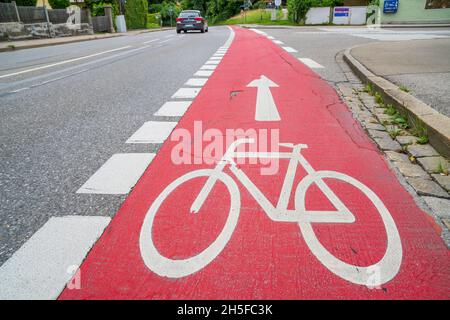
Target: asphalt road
59, 124
416, 58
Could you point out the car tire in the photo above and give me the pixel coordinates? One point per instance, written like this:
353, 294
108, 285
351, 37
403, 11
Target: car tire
178, 31
203, 30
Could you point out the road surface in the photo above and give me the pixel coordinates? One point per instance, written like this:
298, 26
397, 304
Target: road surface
81, 123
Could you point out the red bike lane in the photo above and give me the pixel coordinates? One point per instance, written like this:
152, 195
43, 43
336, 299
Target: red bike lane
184, 255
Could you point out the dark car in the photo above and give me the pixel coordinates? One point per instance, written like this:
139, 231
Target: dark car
191, 20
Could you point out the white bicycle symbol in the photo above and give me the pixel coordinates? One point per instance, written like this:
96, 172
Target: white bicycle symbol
386, 268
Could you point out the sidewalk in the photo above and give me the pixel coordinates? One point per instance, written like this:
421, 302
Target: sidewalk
34, 43
421, 67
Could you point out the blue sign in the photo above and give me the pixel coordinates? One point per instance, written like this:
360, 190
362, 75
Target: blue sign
341, 12
390, 6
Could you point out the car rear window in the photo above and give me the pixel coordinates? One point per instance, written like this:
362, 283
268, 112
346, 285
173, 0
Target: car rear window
189, 14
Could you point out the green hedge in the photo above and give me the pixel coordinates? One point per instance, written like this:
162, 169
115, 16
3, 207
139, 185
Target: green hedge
136, 14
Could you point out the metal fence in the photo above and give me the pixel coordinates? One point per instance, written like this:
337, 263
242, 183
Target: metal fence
9, 12
101, 23
32, 14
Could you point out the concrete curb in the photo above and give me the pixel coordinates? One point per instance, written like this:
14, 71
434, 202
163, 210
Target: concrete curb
73, 40
436, 124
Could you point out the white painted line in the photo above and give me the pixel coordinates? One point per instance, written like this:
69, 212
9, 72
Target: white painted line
170, 36
278, 42
166, 40
186, 93
218, 55
311, 63
118, 174
43, 266
152, 132
215, 58
61, 62
212, 62
203, 73
289, 49
196, 82
270, 37
150, 41
173, 108
208, 67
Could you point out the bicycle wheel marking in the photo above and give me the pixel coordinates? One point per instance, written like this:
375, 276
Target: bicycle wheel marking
180, 268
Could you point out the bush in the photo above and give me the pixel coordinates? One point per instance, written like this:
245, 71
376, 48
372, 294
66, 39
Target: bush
59, 4
136, 14
152, 21
297, 9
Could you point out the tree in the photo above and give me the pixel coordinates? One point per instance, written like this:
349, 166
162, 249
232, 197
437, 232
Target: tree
59, 4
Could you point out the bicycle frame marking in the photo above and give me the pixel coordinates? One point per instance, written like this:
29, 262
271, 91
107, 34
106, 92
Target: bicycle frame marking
280, 211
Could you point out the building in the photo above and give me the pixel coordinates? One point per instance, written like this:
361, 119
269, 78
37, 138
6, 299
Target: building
416, 12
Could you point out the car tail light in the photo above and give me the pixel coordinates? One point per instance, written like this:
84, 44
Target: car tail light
179, 19
198, 19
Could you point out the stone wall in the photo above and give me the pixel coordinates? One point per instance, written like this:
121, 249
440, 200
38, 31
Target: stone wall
19, 31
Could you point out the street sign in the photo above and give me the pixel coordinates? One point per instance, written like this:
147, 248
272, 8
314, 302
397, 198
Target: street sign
278, 3
341, 11
390, 6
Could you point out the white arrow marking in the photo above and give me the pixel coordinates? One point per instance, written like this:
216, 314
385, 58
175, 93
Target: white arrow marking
266, 109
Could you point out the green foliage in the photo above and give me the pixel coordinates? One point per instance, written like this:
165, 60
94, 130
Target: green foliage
59, 4
136, 14
369, 89
297, 9
403, 88
220, 10
153, 20
422, 140
390, 110
166, 8
22, 3
97, 7
395, 132
378, 98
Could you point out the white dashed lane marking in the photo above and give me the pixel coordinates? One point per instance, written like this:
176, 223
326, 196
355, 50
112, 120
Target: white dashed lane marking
43, 266
289, 49
278, 42
208, 67
212, 62
150, 41
196, 82
203, 73
173, 108
152, 132
186, 93
311, 63
118, 175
